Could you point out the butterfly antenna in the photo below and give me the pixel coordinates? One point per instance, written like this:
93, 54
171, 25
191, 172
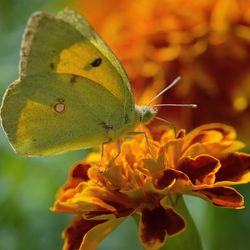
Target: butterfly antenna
166, 89
189, 105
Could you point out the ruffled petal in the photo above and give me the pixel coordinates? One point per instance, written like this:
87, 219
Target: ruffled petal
95, 201
214, 139
78, 174
200, 170
94, 236
210, 132
174, 178
156, 224
235, 168
173, 152
74, 233
215, 149
222, 197
154, 166
87, 234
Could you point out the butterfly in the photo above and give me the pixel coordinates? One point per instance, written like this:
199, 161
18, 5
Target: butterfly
72, 92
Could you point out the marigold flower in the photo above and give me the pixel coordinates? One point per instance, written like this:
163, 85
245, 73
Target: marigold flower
147, 179
207, 42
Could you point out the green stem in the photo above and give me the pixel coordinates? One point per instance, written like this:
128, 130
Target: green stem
187, 240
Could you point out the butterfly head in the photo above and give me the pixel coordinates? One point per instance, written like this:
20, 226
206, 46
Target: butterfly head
145, 113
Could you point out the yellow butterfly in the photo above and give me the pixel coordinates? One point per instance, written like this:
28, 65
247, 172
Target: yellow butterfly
72, 93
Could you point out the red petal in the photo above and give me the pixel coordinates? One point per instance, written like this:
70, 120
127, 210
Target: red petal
157, 223
180, 134
75, 232
168, 177
202, 133
78, 174
200, 170
222, 197
80, 171
234, 168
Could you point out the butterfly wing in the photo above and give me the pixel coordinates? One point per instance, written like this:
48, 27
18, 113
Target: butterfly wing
83, 26
48, 114
66, 43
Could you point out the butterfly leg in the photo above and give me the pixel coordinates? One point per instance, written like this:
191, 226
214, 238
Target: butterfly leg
119, 149
102, 147
169, 124
146, 138
118, 152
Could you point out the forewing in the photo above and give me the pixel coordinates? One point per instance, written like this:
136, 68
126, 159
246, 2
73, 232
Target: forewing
49, 114
66, 43
83, 26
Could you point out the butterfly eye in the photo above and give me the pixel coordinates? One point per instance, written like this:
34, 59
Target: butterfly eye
97, 62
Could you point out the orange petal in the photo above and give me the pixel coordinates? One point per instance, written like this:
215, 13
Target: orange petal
200, 170
213, 138
208, 132
78, 174
235, 168
169, 176
215, 149
154, 166
87, 234
61, 205
94, 202
95, 235
172, 152
156, 224
222, 197
75, 232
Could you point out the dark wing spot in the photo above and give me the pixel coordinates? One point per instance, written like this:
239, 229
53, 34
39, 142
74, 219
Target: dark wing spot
97, 62
52, 66
73, 79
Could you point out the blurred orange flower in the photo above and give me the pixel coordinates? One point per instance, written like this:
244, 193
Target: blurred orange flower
207, 42
147, 179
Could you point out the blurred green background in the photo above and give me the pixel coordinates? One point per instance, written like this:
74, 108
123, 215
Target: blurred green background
28, 185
